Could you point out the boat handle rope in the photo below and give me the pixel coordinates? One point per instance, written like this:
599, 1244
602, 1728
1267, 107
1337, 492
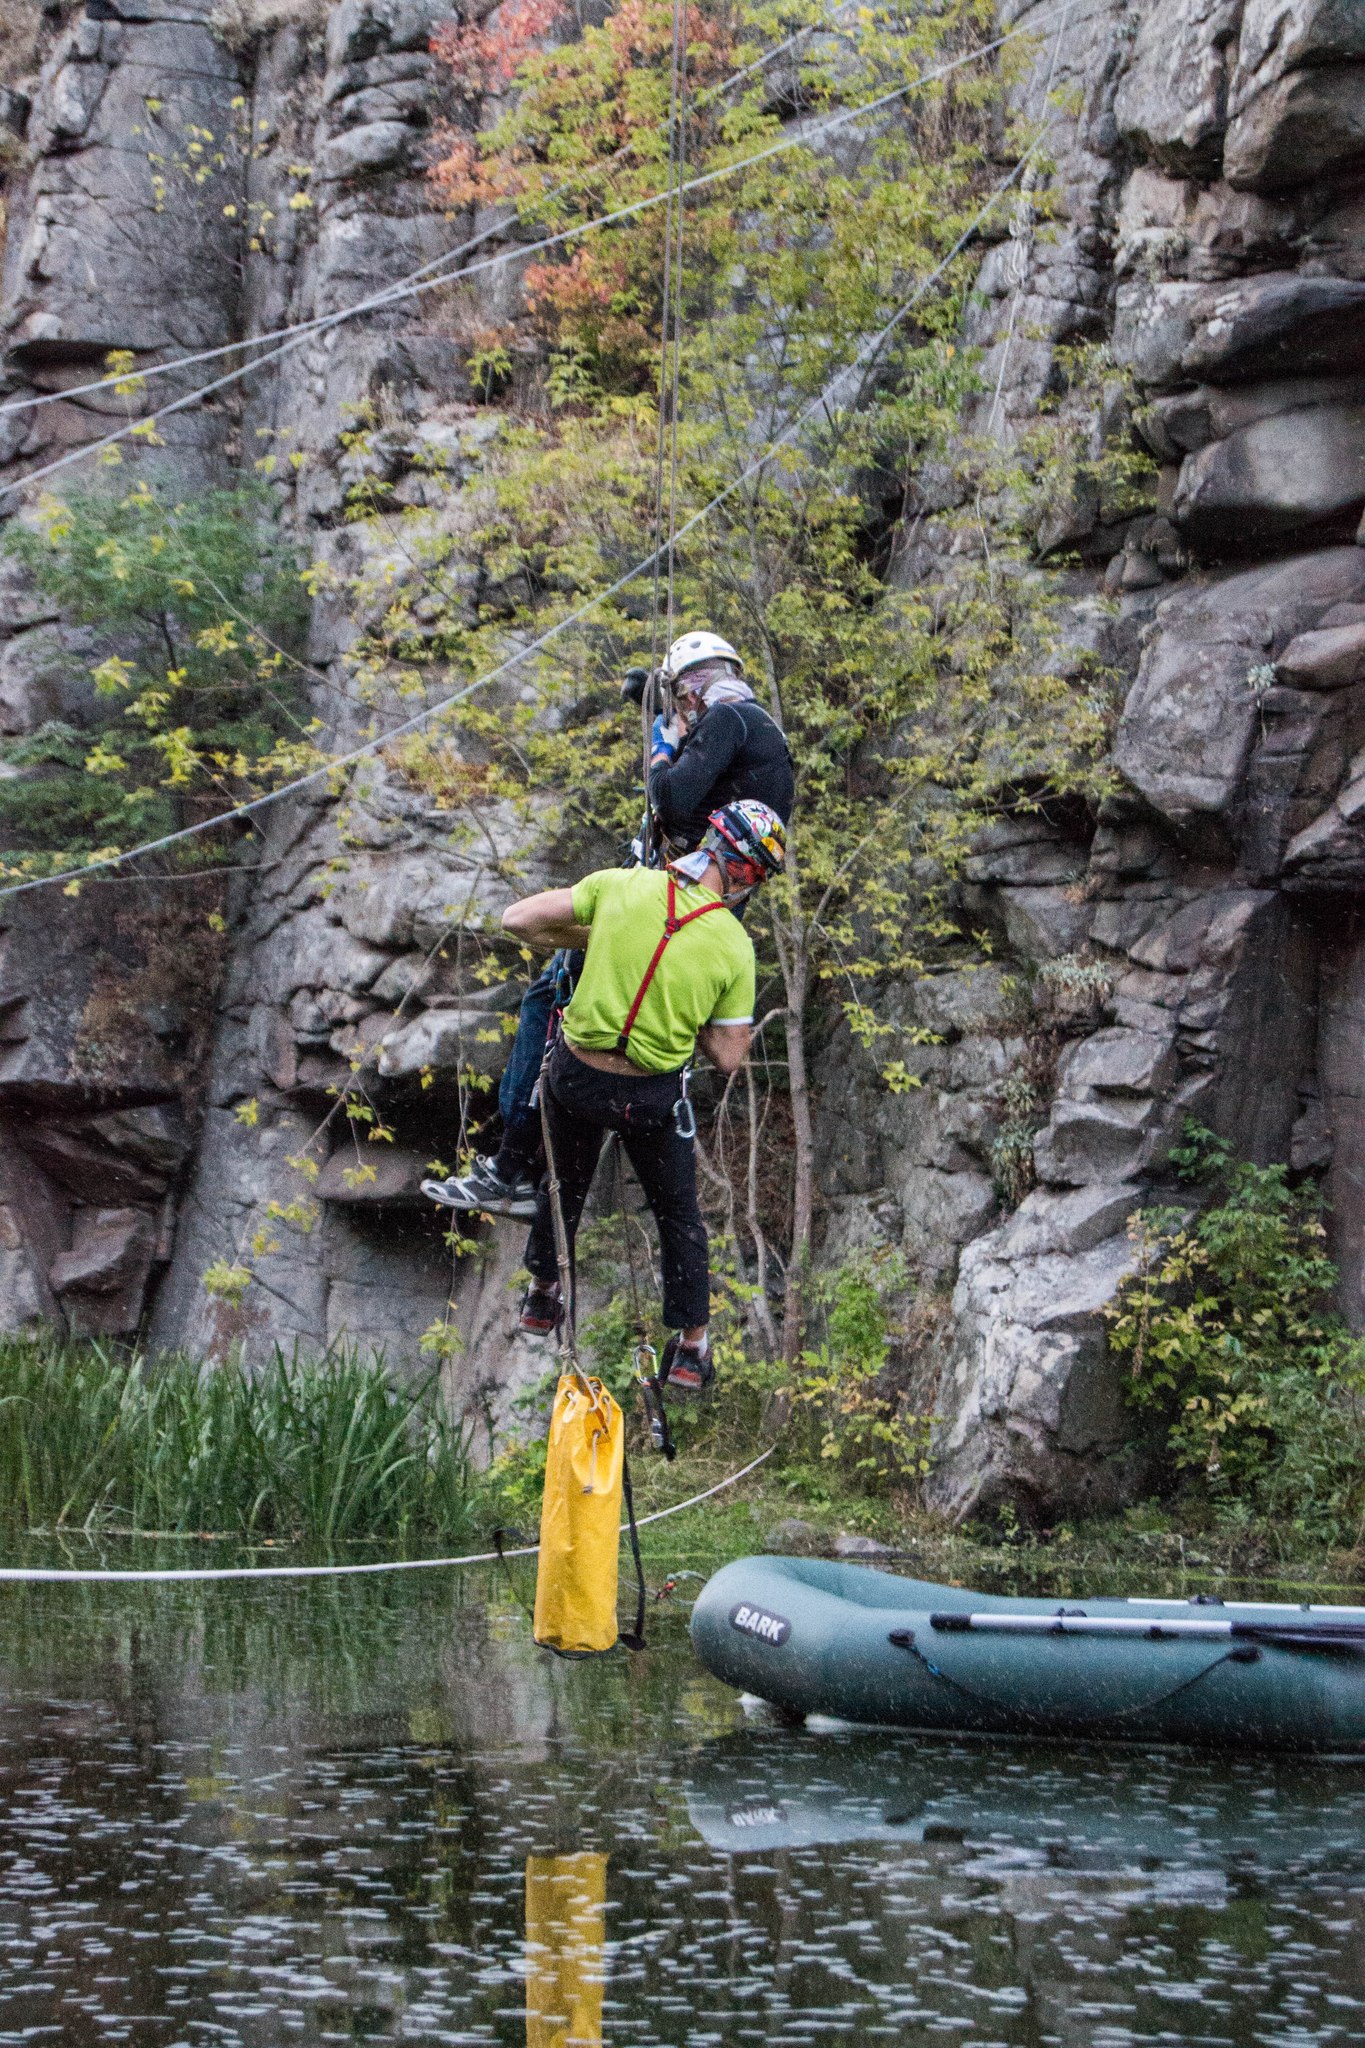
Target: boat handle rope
1240, 1653
41, 1575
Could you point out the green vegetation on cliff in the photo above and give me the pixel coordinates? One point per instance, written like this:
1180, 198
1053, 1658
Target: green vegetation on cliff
791, 398
193, 703
1251, 1384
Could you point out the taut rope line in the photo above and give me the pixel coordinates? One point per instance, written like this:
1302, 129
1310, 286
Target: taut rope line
40, 1575
819, 404
322, 322
679, 223
398, 293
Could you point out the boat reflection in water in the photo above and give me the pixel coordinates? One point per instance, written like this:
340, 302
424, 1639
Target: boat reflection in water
1173, 1820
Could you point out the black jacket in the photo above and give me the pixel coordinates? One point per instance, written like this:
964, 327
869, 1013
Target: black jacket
733, 751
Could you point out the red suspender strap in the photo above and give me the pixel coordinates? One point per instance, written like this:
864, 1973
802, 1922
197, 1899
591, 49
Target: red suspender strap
672, 923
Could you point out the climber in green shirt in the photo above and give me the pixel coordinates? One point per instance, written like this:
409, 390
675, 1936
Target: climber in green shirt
668, 968
707, 977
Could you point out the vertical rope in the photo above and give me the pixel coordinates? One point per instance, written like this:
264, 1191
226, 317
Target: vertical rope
567, 1335
680, 221
673, 203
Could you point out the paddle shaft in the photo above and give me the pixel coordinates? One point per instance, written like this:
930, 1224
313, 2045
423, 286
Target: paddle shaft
1307, 1635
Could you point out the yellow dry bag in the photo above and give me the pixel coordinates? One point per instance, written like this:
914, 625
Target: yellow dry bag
580, 1521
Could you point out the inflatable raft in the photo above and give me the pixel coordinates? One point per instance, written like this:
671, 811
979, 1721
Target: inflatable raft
816, 1637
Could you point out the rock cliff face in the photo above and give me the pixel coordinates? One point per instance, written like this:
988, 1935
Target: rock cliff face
1196, 948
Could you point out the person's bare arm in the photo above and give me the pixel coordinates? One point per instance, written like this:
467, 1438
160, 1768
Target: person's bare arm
545, 920
726, 1045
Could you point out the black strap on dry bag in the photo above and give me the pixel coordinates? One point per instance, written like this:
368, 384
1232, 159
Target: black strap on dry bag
634, 1639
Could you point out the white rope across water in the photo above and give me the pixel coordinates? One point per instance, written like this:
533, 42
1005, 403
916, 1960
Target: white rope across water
41, 1575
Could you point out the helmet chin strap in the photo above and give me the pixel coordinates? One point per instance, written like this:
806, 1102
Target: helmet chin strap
745, 890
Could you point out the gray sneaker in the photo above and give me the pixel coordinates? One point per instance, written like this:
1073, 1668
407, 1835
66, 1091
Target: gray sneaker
483, 1187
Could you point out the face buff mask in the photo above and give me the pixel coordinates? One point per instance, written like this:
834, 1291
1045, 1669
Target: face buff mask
726, 690
691, 866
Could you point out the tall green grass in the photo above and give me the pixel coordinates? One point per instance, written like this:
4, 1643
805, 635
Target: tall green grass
325, 1450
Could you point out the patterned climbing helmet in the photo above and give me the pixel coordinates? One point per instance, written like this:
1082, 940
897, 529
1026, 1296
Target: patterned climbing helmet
748, 831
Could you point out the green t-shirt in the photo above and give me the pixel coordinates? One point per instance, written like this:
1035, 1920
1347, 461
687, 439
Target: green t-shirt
706, 974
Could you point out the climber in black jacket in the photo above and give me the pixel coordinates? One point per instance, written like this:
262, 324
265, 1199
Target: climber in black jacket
718, 746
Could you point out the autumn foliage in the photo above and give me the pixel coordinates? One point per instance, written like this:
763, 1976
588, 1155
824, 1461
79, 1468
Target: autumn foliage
823, 452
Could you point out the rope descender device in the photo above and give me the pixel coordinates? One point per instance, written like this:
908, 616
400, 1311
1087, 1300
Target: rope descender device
652, 1396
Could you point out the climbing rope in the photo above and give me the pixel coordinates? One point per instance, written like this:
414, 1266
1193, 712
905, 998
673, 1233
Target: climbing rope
517, 253
644, 1358
822, 403
566, 1335
40, 1575
679, 224
670, 309
377, 301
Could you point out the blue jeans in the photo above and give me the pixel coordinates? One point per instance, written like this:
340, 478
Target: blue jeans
519, 1151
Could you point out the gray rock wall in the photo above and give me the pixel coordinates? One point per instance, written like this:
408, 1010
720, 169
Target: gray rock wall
1193, 949
1213, 233
156, 1083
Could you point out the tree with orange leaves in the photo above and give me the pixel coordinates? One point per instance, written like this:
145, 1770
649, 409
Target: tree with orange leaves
909, 708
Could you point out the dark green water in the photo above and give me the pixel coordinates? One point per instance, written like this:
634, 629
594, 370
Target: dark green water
323, 1814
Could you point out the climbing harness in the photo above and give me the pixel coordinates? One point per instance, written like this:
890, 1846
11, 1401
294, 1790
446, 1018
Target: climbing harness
673, 924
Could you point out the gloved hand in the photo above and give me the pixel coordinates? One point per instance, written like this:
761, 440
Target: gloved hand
634, 686
666, 738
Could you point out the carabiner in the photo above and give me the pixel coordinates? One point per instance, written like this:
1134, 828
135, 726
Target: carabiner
643, 1350
656, 1415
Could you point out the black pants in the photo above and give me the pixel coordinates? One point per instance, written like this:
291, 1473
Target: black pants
582, 1106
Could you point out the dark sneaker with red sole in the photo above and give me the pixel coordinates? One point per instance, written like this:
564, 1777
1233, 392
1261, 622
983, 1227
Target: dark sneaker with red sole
541, 1308
686, 1369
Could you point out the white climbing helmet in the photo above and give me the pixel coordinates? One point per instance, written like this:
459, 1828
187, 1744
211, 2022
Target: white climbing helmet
693, 648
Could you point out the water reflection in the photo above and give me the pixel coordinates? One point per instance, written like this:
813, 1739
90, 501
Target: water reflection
1082, 1806
566, 1935
258, 1817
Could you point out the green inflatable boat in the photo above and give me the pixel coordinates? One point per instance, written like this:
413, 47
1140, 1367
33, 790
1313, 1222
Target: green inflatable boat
816, 1637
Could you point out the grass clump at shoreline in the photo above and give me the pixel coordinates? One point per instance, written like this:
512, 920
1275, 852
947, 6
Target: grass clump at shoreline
323, 1450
